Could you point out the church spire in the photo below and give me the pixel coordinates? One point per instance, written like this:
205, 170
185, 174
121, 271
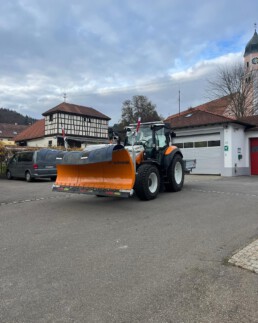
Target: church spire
252, 45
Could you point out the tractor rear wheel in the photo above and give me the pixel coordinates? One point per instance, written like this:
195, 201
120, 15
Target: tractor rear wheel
147, 183
175, 175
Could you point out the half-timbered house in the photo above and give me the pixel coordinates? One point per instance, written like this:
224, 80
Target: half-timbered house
77, 125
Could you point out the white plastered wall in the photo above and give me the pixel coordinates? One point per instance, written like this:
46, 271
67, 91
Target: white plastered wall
236, 157
42, 142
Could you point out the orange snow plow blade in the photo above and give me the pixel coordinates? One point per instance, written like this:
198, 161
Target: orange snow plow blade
110, 172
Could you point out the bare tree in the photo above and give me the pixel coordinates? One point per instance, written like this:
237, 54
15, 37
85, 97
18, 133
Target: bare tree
237, 83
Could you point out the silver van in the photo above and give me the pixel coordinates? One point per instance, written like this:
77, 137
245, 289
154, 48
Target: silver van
33, 164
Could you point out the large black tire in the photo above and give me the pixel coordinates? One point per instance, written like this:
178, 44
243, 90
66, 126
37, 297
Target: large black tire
147, 182
9, 174
175, 175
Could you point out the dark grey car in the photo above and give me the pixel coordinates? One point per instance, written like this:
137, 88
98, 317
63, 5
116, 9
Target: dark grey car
33, 164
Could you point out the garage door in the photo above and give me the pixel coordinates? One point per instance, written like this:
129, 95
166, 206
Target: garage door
254, 156
205, 149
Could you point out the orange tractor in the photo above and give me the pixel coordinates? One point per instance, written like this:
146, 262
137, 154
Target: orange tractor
146, 162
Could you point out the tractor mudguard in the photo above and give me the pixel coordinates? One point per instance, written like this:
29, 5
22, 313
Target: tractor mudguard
169, 155
106, 170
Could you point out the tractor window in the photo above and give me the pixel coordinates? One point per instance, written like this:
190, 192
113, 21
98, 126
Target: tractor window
143, 137
160, 138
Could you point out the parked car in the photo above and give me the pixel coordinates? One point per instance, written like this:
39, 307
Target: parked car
33, 164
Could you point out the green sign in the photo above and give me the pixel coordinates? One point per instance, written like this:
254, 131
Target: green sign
225, 148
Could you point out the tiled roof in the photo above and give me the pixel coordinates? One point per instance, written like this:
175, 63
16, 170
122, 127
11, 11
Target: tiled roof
253, 120
9, 131
76, 109
212, 112
194, 117
217, 107
37, 130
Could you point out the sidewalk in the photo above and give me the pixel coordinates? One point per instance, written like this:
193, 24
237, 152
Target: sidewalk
247, 258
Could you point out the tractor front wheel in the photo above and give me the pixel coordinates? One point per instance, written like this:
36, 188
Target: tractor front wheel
175, 175
147, 183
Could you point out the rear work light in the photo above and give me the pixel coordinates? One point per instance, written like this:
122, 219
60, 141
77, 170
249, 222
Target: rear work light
35, 166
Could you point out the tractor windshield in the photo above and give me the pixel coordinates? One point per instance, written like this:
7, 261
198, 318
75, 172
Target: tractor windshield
148, 136
143, 137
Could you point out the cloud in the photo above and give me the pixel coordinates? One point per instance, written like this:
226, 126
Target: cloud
102, 53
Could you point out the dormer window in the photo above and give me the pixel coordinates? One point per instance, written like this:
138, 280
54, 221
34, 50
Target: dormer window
188, 115
15, 132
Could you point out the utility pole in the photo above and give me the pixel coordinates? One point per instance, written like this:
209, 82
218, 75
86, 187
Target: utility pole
179, 99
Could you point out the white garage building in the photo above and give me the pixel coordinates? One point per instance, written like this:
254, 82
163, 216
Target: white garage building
211, 134
220, 145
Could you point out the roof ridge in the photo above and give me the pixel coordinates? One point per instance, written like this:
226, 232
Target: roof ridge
216, 114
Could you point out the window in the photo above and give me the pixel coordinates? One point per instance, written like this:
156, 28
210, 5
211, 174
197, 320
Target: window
254, 149
179, 144
214, 143
247, 64
51, 117
200, 144
188, 145
47, 155
50, 143
25, 157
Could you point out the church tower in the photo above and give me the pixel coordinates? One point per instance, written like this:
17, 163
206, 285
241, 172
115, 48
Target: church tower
251, 66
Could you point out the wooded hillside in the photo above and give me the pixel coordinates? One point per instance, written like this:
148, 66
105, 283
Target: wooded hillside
10, 116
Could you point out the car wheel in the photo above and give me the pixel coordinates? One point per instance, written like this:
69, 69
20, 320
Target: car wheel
53, 178
28, 177
9, 175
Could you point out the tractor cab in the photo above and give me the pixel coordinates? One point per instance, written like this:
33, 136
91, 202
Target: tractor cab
155, 137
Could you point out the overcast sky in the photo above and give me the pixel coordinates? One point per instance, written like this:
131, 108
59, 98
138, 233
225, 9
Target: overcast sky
102, 52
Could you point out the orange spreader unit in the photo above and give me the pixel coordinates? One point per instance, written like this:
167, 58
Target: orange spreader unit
115, 177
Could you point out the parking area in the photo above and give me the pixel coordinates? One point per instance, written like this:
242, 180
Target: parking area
78, 258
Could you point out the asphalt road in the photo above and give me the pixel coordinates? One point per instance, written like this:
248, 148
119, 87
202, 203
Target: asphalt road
72, 258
